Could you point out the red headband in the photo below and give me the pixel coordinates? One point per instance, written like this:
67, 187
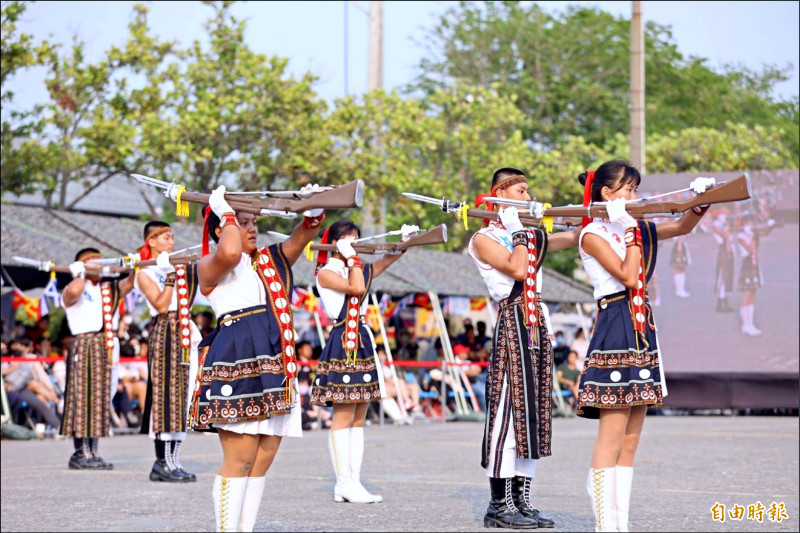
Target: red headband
205, 231
587, 196
322, 255
502, 184
144, 251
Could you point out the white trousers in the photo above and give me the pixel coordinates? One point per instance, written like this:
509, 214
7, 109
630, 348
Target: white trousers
510, 464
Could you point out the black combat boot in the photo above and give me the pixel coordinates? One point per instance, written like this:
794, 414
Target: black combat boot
501, 511
521, 492
162, 472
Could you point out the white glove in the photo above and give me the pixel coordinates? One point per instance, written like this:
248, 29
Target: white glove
509, 217
44, 266
618, 215
171, 192
771, 222
77, 269
162, 262
408, 231
218, 203
307, 189
345, 247
700, 185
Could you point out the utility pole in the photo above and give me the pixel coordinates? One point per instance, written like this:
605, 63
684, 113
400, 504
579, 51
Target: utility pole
374, 223
637, 88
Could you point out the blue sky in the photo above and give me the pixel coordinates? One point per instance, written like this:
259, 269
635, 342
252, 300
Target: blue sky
311, 34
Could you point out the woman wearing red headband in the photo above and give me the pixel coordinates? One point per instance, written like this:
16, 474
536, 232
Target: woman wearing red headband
246, 382
520, 380
348, 376
169, 292
622, 373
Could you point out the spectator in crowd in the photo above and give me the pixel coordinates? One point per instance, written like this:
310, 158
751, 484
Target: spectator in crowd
560, 348
406, 348
312, 415
481, 337
40, 331
133, 375
407, 386
580, 345
204, 321
569, 376
465, 355
17, 378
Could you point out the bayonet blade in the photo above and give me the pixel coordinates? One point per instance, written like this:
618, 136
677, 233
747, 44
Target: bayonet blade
147, 180
426, 199
278, 235
26, 261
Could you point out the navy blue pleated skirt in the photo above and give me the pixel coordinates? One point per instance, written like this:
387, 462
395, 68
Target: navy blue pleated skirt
241, 376
620, 370
340, 381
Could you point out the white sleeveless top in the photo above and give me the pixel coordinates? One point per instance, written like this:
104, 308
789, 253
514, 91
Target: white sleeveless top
240, 289
604, 283
160, 277
499, 284
86, 315
332, 301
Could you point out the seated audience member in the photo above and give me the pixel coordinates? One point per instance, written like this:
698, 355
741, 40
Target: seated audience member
569, 376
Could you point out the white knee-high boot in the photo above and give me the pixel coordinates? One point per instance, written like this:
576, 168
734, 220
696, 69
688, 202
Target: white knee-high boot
251, 503
228, 494
356, 457
623, 481
339, 448
602, 491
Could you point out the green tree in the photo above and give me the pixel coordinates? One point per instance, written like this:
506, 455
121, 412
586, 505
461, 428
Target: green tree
22, 158
97, 123
570, 72
448, 143
239, 119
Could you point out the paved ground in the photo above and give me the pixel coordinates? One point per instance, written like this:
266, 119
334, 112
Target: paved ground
428, 475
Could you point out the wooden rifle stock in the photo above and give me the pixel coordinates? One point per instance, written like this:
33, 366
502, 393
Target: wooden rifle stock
342, 197
733, 190
437, 235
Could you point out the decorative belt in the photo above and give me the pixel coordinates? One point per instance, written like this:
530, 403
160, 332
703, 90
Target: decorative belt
519, 300
228, 319
361, 319
603, 302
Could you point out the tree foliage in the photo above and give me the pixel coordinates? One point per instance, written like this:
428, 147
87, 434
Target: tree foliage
570, 74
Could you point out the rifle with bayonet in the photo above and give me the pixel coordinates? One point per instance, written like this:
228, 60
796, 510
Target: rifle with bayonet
49, 266
134, 261
285, 204
733, 190
437, 235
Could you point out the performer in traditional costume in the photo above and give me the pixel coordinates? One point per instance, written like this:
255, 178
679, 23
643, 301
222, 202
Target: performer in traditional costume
91, 308
679, 260
246, 386
348, 375
722, 228
622, 374
750, 279
520, 378
169, 291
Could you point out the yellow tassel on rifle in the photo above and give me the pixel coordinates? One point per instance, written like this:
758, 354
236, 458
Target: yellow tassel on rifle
547, 222
308, 252
462, 215
52, 272
181, 207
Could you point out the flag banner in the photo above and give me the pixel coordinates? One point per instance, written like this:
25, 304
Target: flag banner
478, 304
456, 305
31, 305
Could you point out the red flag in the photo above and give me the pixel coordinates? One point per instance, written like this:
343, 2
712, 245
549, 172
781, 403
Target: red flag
31, 305
477, 304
